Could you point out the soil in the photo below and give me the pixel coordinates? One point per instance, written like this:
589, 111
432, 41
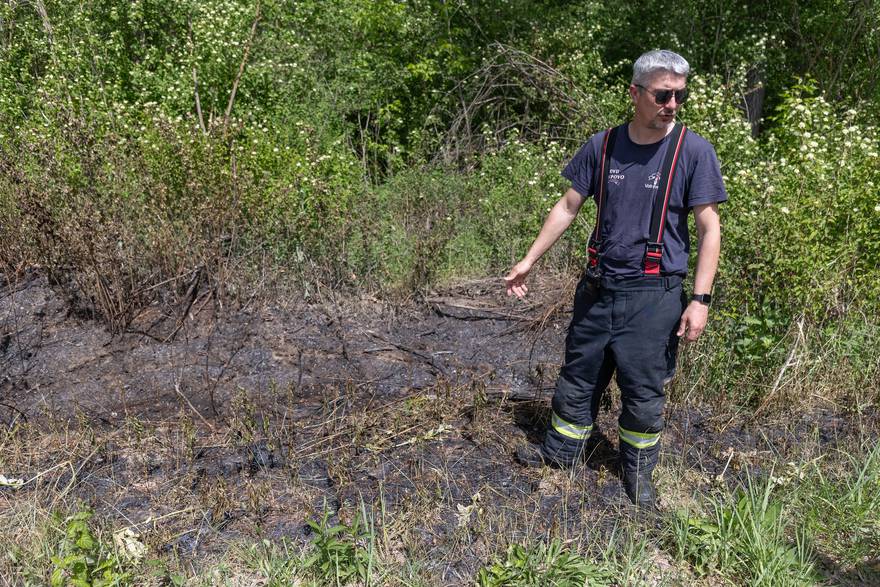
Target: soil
249, 420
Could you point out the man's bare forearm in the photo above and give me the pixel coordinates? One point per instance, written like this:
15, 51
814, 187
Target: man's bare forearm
708, 249
558, 220
693, 320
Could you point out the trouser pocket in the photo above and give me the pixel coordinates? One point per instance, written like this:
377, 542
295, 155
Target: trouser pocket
585, 295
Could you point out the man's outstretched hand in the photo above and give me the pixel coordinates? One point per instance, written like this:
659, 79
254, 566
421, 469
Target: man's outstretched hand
516, 279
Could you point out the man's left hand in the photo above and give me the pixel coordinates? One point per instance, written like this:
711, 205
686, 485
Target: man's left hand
693, 321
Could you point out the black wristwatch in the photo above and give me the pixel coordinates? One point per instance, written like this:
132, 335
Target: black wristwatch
702, 298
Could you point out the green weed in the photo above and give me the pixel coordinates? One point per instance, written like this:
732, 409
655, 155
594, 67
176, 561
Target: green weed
84, 561
697, 540
277, 563
543, 564
342, 552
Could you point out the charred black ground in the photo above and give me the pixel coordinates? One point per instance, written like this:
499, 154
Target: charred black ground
248, 420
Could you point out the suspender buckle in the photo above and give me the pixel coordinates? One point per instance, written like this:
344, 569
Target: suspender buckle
593, 252
653, 254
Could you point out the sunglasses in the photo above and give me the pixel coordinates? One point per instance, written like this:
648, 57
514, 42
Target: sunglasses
661, 97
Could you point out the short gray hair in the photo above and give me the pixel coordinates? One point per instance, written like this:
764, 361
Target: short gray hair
658, 60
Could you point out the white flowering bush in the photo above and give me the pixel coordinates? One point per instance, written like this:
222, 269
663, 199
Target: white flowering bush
800, 238
802, 229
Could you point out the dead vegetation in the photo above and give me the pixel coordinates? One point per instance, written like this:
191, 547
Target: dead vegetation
512, 92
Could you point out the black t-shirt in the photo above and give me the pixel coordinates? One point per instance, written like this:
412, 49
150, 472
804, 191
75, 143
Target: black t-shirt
633, 171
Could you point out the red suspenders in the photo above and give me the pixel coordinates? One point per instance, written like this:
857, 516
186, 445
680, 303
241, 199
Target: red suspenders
654, 246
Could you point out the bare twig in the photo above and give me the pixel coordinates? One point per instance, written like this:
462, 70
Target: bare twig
152, 520
198, 101
241, 66
192, 407
190, 298
19, 413
425, 358
44, 16
195, 77
49, 470
791, 361
485, 313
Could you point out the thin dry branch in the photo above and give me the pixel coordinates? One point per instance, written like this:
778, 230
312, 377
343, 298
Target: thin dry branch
241, 66
192, 407
791, 361
40, 6
198, 102
195, 77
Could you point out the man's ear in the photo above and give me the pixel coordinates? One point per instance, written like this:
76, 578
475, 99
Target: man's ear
633, 93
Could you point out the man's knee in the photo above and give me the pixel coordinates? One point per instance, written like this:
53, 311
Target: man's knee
572, 399
643, 416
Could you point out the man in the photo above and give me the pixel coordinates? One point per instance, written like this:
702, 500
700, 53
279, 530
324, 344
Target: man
629, 308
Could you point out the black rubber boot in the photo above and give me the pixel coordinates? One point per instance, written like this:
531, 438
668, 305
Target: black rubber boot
640, 489
638, 466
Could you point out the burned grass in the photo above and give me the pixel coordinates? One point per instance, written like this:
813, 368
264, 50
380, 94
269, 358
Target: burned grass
216, 446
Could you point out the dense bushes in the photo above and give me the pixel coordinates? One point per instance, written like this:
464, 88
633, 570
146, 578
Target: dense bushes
392, 145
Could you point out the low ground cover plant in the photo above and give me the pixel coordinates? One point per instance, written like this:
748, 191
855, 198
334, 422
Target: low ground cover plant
542, 564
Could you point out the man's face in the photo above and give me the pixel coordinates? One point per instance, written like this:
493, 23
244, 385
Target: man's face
648, 113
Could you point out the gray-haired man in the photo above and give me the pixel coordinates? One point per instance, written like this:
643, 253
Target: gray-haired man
629, 308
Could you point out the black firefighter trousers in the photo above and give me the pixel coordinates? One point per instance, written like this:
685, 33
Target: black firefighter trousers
627, 325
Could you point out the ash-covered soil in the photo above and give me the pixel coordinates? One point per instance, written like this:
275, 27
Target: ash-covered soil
250, 419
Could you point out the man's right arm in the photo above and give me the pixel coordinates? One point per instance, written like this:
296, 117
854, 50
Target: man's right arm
560, 218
